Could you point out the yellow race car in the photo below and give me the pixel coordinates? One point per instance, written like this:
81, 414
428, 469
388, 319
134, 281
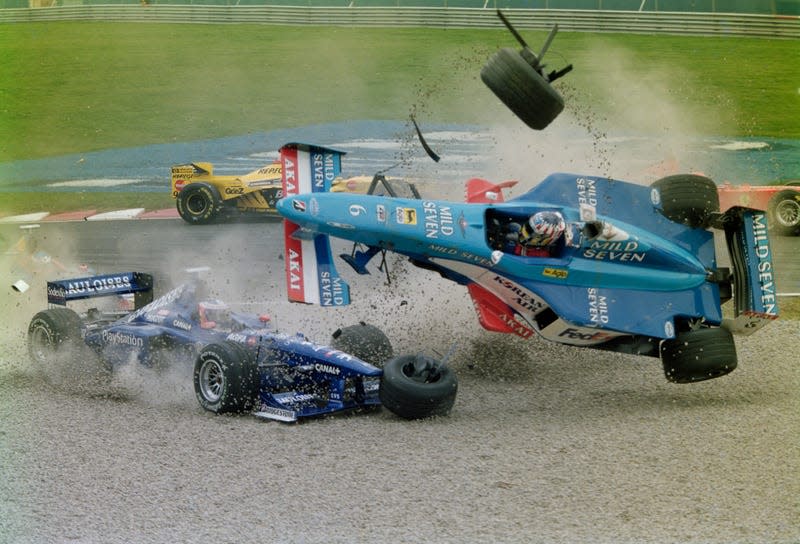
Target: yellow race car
203, 197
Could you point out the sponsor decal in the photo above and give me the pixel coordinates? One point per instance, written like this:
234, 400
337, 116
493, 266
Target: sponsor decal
123, 339
234, 190
558, 273
587, 198
598, 307
521, 297
98, 285
438, 220
295, 274
516, 327
327, 369
357, 209
56, 292
626, 251
181, 324
331, 289
289, 171
669, 329
583, 334
299, 205
296, 398
154, 318
273, 169
380, 213
180, 184
323, 166
405, 216
337, 225
766, 279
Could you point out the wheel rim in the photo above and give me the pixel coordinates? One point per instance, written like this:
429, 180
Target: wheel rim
422, 370
212, 381
41, 344
787, 213
196, 204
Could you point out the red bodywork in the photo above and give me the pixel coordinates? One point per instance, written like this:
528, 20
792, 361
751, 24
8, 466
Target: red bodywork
752, 196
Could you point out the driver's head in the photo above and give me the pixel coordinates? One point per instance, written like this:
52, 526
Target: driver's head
542, 229
214, 311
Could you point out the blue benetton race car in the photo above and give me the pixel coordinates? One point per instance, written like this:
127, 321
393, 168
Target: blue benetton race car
241, 364
580, 260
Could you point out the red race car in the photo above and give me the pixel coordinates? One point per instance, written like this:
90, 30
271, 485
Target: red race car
781, 202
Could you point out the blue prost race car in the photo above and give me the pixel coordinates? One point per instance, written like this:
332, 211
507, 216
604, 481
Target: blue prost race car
241, 364
580, 260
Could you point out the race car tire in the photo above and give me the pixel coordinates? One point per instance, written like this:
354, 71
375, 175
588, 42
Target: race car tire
226, 378
58, 353
522, 89
783, 212
416, 387
366, 342
199, 203
698, 355
688, 199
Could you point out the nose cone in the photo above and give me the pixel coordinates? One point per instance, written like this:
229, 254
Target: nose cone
294, 208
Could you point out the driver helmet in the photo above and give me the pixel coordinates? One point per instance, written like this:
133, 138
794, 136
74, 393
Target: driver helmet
214, 311
542, 229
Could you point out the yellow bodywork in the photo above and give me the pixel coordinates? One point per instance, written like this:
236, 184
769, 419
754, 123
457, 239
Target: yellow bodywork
256, 191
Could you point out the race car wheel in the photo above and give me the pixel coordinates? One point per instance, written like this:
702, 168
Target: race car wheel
698, 355
199, 203
783, 212
226, 378
415, 387
688, 199
52, 331
522, 89
367, 342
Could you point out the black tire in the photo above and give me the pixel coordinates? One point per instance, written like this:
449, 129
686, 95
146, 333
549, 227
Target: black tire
688, 199
698, 355
416, 387
524, 90
366, 342
226, 378
783, 212
199, 203
57, 330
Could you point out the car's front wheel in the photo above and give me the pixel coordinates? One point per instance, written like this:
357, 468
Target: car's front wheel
783, 211
199, 203
226, 378
688, 199
698, 355
416, 387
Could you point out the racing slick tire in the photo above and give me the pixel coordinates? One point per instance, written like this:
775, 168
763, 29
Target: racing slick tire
783, 212
688, 199
226, 378
366, 342
199, 203
522, 89
416, 387
698, 355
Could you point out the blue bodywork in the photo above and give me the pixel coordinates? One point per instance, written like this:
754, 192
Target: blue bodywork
635, 278
298, 378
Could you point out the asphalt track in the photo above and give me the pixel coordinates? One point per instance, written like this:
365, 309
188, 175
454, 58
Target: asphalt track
546, 443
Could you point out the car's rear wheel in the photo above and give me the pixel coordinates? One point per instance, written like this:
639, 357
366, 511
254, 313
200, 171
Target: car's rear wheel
50, 332
698, 355
688, 199
522, 89
199, 203
226, 378
367, 342
415, 387
783, 212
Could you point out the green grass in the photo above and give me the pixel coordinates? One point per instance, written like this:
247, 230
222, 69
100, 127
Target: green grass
82, 86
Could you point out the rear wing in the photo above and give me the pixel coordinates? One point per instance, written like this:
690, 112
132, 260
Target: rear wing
311, 276
137, 283
754, 293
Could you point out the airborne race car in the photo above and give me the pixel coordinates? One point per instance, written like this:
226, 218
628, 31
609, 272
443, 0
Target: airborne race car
635, 270
240, 363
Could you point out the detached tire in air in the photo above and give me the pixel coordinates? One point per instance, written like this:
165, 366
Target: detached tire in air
522, 89
698, 355
367, 342
199, 203
688, 199
226, 378
783, 212
416, 387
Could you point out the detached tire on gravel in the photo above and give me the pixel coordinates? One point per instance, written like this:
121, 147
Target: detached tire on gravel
199, 203
783, 212
688, 199
367, 342
416, 387
699, 355
226, 378
524, 90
